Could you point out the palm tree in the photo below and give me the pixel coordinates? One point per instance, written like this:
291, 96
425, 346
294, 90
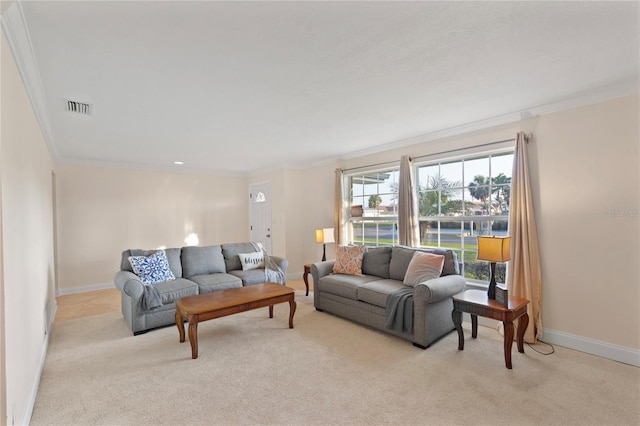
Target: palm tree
434, 197
502, 189
479, 188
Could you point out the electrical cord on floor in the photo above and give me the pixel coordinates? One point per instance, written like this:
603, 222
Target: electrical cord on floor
500, 331
544, 343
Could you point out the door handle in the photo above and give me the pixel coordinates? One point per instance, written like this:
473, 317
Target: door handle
268, 235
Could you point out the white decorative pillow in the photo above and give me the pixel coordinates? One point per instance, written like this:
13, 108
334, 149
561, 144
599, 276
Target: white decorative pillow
152, 269
252, 260
423, 267
349, 260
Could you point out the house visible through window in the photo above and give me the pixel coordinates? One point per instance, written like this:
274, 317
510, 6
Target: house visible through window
458, 199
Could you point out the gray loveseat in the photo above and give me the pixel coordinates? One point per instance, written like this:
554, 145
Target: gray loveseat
197, 270
363, 298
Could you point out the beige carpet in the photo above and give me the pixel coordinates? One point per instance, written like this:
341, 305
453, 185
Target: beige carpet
325, 371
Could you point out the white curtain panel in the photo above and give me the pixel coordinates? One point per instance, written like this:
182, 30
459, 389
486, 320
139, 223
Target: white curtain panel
408, 228
524, 278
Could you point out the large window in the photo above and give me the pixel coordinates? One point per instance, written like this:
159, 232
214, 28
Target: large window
458, 199
461, 199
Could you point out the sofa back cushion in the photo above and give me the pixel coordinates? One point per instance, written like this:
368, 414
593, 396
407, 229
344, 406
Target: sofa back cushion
202, 260
231, 252
173, 256
401, 257
376, 261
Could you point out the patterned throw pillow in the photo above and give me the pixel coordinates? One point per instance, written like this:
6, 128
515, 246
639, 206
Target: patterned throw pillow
349, 260
152, 269
252, 260
423, 267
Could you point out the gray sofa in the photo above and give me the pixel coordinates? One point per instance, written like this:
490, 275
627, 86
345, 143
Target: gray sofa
363, 298
197, 270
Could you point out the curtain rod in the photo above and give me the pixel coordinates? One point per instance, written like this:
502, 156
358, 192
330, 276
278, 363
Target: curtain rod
430, 155
386, 163
463, 149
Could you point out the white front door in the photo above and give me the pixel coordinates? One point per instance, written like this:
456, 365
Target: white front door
260, 220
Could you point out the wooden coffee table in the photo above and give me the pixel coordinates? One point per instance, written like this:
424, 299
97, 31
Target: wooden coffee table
204, 307
476, 302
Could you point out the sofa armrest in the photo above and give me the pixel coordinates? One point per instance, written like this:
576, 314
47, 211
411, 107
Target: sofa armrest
438, 289
281, 262
321, 269
129, 283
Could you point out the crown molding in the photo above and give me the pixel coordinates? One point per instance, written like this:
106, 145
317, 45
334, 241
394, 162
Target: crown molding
15, 30
626, 87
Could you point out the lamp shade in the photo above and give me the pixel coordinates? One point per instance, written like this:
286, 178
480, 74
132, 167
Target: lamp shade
324, 235
494, 249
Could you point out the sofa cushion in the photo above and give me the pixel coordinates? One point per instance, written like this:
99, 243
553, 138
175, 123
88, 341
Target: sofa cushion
375, 261
423, 267
231, 251
170, 291
215, 282
250, 277
202, 261
349, 260
251, 260
152, 269
344, 285
451, 265
173, 256
401, 257
376, 292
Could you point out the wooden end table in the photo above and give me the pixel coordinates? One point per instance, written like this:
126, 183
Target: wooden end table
305, 276
207, 306
476, 302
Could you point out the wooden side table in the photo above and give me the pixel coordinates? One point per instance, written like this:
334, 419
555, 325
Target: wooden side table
305, 276
476, 302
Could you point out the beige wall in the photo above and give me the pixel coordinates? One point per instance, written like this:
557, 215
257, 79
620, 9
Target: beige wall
103, 211
587, 174
27, 242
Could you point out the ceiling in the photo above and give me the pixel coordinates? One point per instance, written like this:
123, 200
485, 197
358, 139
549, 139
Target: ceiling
245, 87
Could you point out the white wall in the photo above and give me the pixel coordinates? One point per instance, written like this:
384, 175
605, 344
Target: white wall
103, 211
27, 243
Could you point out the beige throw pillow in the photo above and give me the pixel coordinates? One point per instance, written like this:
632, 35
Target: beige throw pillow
423, 267
349, 260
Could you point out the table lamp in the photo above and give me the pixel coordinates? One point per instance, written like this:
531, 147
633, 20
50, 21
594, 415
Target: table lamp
493, 249
324, 236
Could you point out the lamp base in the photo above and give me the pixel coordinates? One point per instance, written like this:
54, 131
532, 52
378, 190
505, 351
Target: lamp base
491, 292
324, 252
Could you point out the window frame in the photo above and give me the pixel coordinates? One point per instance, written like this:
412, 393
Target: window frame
466, 247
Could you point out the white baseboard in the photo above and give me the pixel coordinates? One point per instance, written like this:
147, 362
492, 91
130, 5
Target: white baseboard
593, 347
84, 288
582, 344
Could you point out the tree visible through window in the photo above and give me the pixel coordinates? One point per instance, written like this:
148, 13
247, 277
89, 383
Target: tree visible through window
461, 199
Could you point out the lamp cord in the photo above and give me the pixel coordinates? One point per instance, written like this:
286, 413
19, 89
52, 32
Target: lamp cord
552, 349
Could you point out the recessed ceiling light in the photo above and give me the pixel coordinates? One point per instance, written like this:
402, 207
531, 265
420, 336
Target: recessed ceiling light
178, 163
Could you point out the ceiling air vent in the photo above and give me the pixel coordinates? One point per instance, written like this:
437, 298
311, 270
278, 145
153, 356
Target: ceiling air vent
79, 107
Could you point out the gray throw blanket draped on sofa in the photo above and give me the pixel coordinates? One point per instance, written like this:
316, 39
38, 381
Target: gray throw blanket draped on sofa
151, 298
400, 310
